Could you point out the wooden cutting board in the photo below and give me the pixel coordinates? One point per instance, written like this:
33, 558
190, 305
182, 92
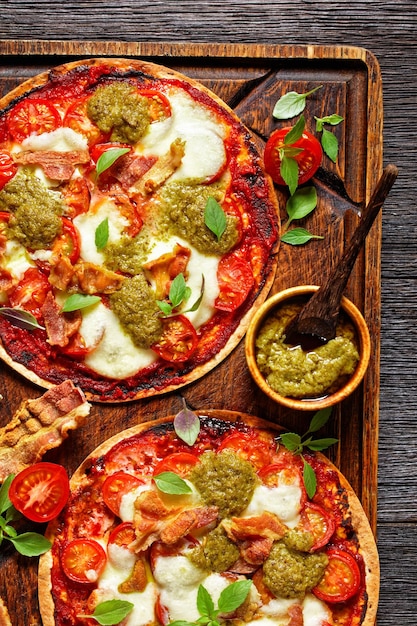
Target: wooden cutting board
250, 78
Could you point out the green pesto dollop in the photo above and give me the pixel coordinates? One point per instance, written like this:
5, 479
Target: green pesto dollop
36, 211
293, 372
118, 109
127, 255
224, 480
298, 540
184, 205
289, 573
217, 553
135, 306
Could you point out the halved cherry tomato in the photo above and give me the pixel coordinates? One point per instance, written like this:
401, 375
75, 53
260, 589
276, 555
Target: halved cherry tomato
40, 491
32, 116
76, 118
318, 521
31, 291
76, 196
68, 243
178, 340
123, 535
235, 279
83, 560
341, 579
116, 486
180, 463
8, 168
308, 160
246, 446
160, 107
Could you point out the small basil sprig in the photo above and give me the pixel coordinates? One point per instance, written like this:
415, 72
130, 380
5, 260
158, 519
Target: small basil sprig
20, 318
29, 543
299, 205
230, 599
169, 482
187, 425
296, 444
179, 292
291, 104
329, 141
109, 157
78, 301
215, 217
110, 612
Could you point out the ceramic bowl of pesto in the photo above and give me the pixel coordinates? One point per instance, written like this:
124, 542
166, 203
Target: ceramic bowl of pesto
309, 379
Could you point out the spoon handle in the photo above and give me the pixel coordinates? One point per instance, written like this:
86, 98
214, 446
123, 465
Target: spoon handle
331, 291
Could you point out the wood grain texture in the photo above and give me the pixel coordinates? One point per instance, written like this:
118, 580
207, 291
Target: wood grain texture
388, 28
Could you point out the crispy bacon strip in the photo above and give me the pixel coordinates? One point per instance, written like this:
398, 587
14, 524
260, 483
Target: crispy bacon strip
164, 269
83, 277
39, 425
266, 525
255, 551
56, 165
186, 521
164, 167
60, 327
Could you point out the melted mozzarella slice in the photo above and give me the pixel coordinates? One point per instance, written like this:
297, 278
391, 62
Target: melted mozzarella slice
62, 139
283, 500
116, 356
315, 612
16, 259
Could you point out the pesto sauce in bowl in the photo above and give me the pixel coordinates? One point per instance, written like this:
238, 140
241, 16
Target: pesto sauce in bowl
292, 372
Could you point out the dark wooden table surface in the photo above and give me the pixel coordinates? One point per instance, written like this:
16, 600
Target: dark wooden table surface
389, 30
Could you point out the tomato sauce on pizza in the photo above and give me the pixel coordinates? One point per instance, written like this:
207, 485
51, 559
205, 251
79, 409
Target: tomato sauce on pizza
150, 519
137, 228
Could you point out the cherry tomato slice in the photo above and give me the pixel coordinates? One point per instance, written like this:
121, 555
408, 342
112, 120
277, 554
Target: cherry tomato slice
116, 486
8, 168
76, 118
40, 491
308, 160
68, 243
318, 521
235, 279
180, 463
123, 535
254, 450
83, 560
32, 116
31, 291
178, 340
160, 107
341, 579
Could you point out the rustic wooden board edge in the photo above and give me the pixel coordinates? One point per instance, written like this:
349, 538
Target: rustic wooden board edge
222, 52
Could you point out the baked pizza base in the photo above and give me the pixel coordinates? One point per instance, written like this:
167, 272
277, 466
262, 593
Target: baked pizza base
124, 390
353, 512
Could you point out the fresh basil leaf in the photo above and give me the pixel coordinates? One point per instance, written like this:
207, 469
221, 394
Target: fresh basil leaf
187, 425
180, 622
234, 595
319, 419
330, 144
289, 173
30, 544
4, 494
298, 236
321, 444
79, 301
290, 151
102, 234
109, 157
291, 104
296, 131
205, 604
197, 303
10, 531
309, 479
291, 441
327, 119
168, 482
215, 217
178, 291
301, 203
111, 612
20, 318
165, 307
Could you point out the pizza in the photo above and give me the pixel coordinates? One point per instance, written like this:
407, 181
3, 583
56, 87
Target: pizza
138, 230
127, 536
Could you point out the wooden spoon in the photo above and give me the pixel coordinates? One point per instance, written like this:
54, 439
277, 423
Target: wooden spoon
316, 322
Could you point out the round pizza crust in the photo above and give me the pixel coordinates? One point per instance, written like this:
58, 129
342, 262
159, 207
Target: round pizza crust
161, 72
367, 544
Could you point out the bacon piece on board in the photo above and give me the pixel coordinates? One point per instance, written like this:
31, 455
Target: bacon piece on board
39, 425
